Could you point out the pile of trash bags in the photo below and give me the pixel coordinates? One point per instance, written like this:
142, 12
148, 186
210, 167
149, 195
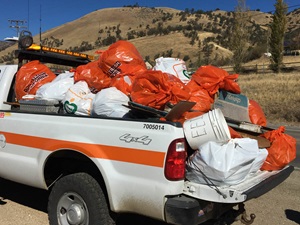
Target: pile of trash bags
106, 86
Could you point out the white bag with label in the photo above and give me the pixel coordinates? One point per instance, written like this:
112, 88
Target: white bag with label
78, 99
57, 88
225, 164
110, 102
174, 66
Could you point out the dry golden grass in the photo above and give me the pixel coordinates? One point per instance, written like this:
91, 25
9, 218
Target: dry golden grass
277, 94
136, 19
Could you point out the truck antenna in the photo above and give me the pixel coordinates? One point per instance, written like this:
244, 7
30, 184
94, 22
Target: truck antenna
28, 15
40, 25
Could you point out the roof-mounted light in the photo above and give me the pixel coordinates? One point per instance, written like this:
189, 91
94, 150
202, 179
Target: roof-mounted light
25, 39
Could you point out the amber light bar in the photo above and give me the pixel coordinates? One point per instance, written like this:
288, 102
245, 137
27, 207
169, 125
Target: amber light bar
60, 51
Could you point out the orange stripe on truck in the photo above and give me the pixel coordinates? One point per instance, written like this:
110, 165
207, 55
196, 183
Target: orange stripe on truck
130, 155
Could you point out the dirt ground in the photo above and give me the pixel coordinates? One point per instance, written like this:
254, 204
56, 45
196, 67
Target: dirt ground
22, 205
281, 206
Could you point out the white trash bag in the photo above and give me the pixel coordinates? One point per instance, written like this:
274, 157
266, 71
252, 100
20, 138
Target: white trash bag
57, 88
174, 66
259, 160
225, 164
78, 99
110, 102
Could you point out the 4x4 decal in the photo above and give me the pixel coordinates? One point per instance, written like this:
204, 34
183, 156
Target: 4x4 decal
128, 138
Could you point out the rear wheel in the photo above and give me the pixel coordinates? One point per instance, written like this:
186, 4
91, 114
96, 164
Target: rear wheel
78, 199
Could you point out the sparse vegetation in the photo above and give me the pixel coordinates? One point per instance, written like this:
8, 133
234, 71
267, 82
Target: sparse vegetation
52, 42
196, 36
278, 95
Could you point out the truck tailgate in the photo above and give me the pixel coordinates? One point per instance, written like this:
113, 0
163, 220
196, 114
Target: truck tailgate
254, 186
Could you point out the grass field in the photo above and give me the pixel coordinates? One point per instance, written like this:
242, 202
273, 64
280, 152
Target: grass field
277, 94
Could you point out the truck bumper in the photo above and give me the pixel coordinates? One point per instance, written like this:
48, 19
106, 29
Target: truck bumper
184, 210
188, 210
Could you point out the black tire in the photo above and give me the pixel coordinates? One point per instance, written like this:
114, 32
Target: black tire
78, 199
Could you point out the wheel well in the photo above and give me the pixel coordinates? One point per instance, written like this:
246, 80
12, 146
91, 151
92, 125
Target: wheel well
64, 162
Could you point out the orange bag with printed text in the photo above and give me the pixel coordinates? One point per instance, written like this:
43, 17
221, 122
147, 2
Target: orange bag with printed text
121, 58
282, 150
30, 77
213, 78
93, 76
155, 89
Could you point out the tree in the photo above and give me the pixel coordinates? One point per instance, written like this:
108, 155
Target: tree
240, 35
276, 40
199, 61
207, 50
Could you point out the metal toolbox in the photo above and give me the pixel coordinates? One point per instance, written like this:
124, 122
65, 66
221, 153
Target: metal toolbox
40, 105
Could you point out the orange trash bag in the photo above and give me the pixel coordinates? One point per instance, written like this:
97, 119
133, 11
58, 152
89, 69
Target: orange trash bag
179, 91
155, 89
122, 57
93, 76
30, 77
200, 96
256, 114
123, 83
234, 133
282, 150
213, 78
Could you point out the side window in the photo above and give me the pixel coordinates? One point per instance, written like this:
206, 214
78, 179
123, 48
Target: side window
11, 95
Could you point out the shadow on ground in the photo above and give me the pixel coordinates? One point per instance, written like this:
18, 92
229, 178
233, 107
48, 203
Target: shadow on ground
37, 199
24, 195
293, 215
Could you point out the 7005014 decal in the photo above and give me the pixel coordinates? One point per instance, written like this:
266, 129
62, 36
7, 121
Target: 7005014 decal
153, 126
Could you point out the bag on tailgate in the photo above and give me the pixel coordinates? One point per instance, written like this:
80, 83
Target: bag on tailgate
31, 77
282, 150
256, 113
224, 164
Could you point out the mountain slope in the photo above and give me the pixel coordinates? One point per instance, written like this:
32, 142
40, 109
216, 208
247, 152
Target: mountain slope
158, 32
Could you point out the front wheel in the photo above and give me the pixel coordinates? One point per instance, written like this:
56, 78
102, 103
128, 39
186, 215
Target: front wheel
77, 199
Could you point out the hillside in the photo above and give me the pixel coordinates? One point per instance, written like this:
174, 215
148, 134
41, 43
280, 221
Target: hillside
158, 32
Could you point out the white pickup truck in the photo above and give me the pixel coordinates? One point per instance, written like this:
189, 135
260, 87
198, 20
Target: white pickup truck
98, 167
